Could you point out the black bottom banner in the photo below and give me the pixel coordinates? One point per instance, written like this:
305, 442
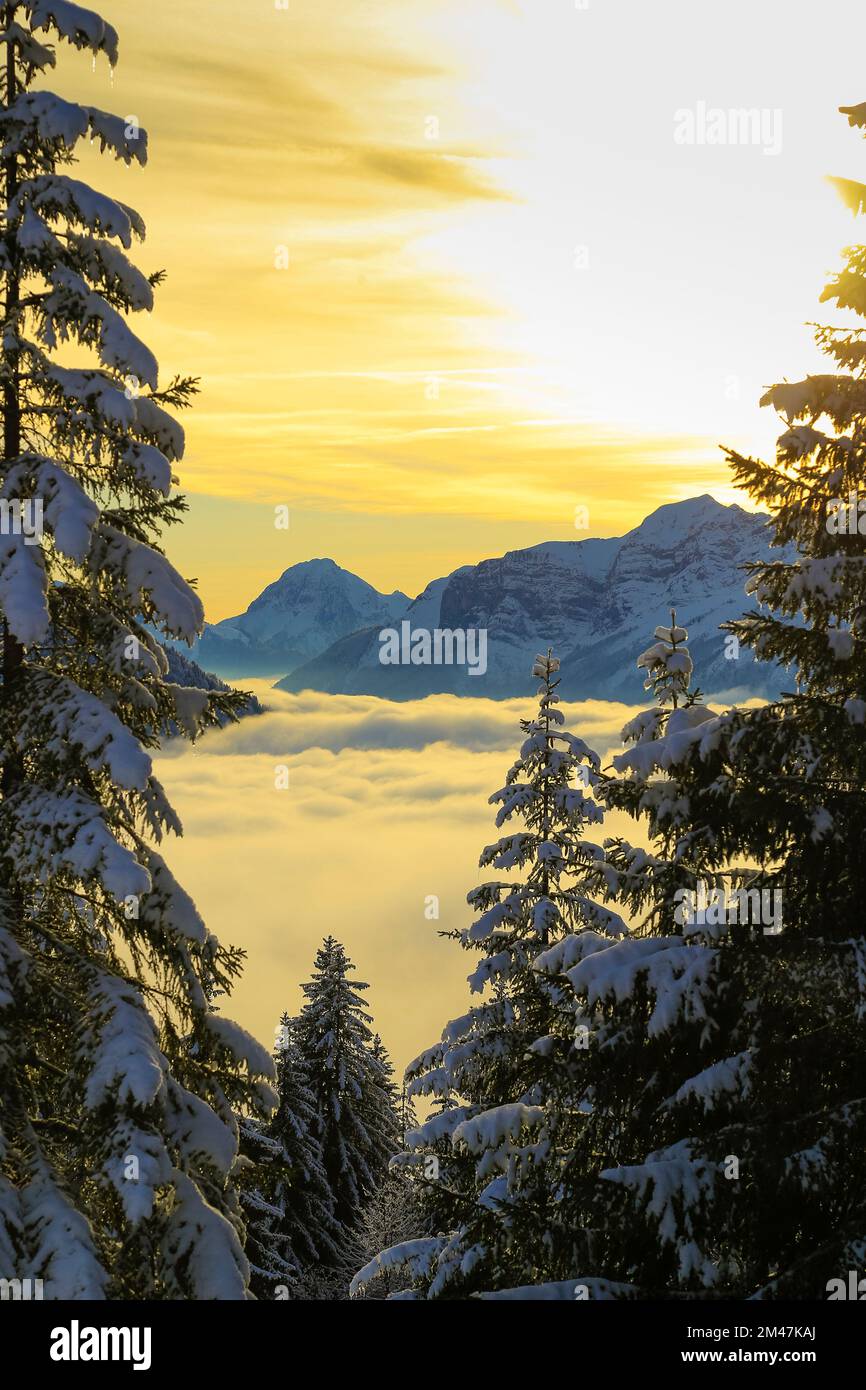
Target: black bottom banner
81, 1339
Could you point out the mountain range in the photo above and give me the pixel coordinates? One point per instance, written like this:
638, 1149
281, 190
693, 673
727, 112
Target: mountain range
595, 601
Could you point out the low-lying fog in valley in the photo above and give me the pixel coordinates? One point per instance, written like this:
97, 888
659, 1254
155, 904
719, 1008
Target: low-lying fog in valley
385, 809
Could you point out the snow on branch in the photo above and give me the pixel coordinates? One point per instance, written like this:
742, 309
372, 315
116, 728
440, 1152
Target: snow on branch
10, 1212
70, 716
242, 1045
190, 706
169, 906
82, 28
415, 1257
678, 975
70, 514
157, 425
97, 395
96, 391
730, 1076
569, 952
58, 195
153, 1168
64, 1252
202, 1243
676, 1184
440, 1126
43, 117
53, 832
28, 50
501, 914
565, 1291
431, 1057
127, 1062
74, 309
688, 727
197, 1130
104, 262
148, 573
14, 963
497, 1128
498, 967
23, 589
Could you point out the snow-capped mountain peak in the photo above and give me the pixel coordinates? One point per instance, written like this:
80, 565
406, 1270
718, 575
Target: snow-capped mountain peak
595, 601
310, 606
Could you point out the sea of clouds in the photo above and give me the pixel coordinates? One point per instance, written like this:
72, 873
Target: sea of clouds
385, 807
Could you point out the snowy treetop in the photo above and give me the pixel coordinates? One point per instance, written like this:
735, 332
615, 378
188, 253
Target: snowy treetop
78, 26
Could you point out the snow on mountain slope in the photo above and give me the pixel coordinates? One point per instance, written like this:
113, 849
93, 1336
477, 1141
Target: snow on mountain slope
595, 601
309, 607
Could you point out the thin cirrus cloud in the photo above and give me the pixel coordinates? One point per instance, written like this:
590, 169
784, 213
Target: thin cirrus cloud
457, 191
299, 145
296, 110
301, 135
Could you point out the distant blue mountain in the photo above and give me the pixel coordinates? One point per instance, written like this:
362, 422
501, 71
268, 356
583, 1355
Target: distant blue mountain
596, 602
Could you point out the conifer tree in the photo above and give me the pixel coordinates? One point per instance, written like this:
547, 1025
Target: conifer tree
118, 1135
510, 1072
655, 1201
355, 1122
747, 1032
301, 1192
398, 1108
783, 1087
261, 1171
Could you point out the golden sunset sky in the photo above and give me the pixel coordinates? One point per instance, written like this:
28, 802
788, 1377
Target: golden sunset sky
509, 293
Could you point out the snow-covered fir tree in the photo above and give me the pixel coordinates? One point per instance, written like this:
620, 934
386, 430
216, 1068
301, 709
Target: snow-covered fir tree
401, 1107
355, 1123
510, 1073
261, 1171
780, 1094
735, 1008
658, 1015
392, 1213
118, 1135
742, 1017
300, 1192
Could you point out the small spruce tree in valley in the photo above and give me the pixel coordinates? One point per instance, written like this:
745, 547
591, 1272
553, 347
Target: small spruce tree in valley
300, 1192
355, 1123
509, 1073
